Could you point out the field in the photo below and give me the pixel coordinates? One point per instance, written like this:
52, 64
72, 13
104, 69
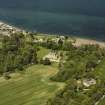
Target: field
42, 52
31, 87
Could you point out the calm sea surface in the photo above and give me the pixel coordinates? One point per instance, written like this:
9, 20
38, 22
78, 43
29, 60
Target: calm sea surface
84, 18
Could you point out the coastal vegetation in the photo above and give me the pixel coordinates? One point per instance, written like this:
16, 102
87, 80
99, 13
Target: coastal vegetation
83, 72
39, 69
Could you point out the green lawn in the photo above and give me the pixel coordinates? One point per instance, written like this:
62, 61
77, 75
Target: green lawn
31, 87
42, 52
41, 35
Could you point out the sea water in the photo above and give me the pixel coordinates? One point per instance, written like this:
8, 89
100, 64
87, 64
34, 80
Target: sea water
84, 18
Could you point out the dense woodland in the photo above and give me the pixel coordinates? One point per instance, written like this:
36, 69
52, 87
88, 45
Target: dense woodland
16, 53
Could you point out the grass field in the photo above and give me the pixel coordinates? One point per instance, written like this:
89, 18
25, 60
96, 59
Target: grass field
31, 87
42, 52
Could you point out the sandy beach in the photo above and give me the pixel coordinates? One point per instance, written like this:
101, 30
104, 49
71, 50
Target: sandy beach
83, 41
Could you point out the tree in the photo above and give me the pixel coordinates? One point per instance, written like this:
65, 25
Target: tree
60, 42
46, 61
90, 65
7, 76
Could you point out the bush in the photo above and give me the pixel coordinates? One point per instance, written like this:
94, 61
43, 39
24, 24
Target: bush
6, 76
46, 61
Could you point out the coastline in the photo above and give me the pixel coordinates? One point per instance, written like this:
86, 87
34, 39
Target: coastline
79, 40
82, 41
11, 25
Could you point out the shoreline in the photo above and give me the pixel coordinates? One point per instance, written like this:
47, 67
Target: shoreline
82, 41
79, 40
11, 25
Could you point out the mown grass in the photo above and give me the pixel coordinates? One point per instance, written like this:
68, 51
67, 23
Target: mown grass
42, 52
31, 87
41, 35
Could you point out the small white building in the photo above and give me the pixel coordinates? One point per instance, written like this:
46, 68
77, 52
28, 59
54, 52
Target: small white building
53, 57
89, 82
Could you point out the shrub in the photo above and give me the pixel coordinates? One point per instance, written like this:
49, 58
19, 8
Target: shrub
46, 61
